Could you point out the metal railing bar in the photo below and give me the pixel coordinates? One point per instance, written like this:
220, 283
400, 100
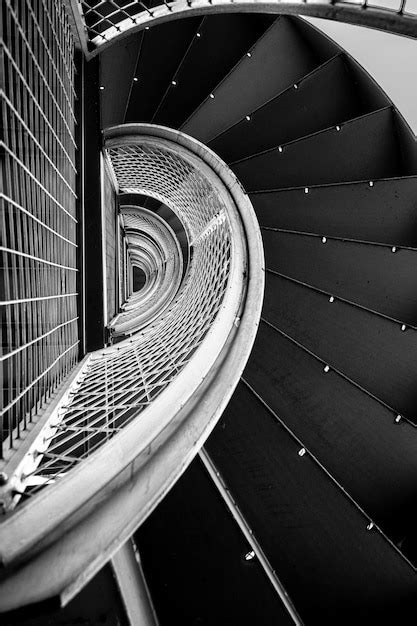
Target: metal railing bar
41, 111
34, 139
36, 219
36, 380
37, 259
8, 355
33, 177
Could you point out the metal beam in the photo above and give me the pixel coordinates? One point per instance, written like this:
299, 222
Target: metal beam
134, 591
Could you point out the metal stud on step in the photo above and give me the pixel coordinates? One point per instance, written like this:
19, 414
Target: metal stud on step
323, 239
249, 555
398, 419
248, 118
370, 526
279, 148
331, 299
212, 96
248, 54
403, 327
302, 452
174, 83
338, 128
371, 183
394, 249
326, 369
306, 190
295, 86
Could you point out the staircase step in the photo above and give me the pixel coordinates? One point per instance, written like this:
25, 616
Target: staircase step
156, 65
372, 276
365, 148
323, 98
383, 213
193, 552
120, 60
354, 436
218, 44
368, 348
315, 537
276, 61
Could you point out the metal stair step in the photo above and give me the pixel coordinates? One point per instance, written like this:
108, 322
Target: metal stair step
323, 98
218, 44
379, 278
382, 213
255, 79
355, 437
192, 538
156, 65
365, 148
314, 535
370, 349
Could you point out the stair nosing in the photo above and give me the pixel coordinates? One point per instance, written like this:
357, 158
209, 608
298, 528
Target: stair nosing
361, 242
335, 184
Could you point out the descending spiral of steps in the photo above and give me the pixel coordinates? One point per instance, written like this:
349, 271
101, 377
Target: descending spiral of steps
301, 507
315, 457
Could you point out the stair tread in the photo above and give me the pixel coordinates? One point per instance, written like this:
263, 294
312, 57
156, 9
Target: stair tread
368, 275
222, 41
200, 549
156, 65
354, 436
325, 97
255, 79
364, 148
314, 536
367, 348
119, 60
384, 212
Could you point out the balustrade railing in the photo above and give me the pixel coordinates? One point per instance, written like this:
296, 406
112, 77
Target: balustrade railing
100, 23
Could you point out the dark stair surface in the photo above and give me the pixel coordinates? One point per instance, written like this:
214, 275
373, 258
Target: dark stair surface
318, 446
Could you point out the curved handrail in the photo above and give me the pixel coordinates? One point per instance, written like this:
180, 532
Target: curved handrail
91, 510
98, 35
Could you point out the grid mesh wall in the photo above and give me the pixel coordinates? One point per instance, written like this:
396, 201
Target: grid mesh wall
38, 213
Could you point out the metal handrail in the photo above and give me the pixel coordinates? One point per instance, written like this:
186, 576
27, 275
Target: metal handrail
103, 29
147, 454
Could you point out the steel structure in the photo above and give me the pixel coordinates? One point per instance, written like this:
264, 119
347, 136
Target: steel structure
99, 23
92, 446
39, 222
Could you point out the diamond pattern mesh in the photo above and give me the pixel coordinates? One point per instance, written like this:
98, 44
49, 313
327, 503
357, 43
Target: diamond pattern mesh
119, 384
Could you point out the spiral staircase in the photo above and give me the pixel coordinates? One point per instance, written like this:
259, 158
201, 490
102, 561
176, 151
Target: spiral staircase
300, 503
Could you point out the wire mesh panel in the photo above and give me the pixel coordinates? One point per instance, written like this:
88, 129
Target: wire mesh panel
104, 20
38, 213
117, 384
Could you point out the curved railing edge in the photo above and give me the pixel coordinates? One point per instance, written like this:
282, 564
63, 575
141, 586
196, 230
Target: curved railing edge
378, 18
30, 557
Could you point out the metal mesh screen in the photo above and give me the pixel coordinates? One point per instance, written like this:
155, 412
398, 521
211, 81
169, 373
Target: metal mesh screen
106, 19
120, 382
38, 212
